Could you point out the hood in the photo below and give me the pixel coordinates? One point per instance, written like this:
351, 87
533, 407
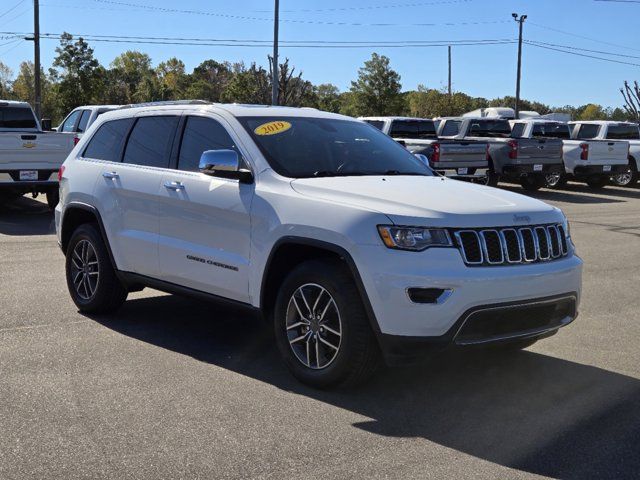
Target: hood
431, 201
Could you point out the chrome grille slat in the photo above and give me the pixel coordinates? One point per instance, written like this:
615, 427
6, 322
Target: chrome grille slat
511, 245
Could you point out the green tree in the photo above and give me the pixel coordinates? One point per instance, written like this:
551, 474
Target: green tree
172, 79
592, 112
23, 89
209, 80
328, 97
6, 74
249, 85
76, 74
293, 90
132, 69
377, 89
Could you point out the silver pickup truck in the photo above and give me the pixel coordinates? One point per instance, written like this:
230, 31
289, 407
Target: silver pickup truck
525, 160
462, 159
29, 158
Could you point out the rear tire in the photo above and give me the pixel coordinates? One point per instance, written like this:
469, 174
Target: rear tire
91, 278
532, 183
53, 197
627, 179
321, 327
597, 182
491, 179
556, 180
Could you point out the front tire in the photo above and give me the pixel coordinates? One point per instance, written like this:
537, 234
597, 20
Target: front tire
91, 278
321, 327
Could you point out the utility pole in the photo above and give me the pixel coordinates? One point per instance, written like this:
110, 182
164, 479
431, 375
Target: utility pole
449, 70
274, 81
520, 22
36, 59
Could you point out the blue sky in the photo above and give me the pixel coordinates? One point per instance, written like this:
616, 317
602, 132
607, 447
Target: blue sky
488, 70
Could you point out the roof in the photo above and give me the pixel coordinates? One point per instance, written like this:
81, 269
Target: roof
536, 120
395, 118
601, 122
14, 103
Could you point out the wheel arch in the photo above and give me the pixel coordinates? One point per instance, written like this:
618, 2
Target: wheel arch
290, 251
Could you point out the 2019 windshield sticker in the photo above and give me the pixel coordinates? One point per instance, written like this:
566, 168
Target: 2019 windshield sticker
272, 128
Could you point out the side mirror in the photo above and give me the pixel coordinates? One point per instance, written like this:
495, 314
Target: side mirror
45, 123
224, 164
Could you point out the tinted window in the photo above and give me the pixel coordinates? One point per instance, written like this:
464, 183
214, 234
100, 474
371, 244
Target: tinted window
201, 134
326, 147
150, 141
588, 131
489, 128
379, 124
451, 128
517, 130
623, 132
84, 120
551, 130
70, 122
412, 129
15, 117
107, 142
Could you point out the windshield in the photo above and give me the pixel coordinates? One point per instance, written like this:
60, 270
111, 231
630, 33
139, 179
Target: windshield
419, 129
623, 132
300, 147
16, 117
489, 128
551, 130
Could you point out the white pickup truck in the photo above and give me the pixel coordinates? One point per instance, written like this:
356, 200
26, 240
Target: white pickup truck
462, 159
29, 158
81, 118
609, 130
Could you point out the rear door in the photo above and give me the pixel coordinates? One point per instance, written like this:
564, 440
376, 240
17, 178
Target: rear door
130, 192
205, 223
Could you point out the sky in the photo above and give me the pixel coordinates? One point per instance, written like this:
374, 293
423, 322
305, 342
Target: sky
549, 76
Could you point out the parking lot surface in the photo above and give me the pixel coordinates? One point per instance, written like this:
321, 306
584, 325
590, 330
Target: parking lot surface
176, 388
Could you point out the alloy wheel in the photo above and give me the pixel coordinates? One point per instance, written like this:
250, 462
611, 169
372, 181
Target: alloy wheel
313, 326
85, 271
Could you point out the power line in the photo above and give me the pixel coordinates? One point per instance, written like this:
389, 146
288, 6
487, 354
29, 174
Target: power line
581, 54
373, 7
584, 49
583, 37
12, 8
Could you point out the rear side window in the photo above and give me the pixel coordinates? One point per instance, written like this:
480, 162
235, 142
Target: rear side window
451, 128
551, 130
202, 134
379, 124
70, 122
107, 142
84, 120
587, 131
150, 141
16, 117
623, 132
412, 129
490, 128
517, 130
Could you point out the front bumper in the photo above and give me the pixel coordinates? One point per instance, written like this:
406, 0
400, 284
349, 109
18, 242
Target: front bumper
387, 276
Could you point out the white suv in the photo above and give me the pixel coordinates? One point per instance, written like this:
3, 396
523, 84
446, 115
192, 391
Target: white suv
350, 245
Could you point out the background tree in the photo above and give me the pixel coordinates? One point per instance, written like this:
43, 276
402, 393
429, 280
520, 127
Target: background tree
631, 95
132, 70
592, 112
172, 79
377, 89
6, 75
23, 90
209, 80
293, 90
249, 85
328, 97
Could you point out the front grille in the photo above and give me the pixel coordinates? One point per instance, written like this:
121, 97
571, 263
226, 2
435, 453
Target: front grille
508, 246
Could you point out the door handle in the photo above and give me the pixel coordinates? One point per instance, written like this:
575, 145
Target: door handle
174, 186
110, 175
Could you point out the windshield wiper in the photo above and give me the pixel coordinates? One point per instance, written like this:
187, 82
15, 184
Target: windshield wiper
324, 173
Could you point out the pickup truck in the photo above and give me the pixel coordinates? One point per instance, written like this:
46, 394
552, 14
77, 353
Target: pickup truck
609, 130
526, 160
81, 118
464, 160
29, 158
590, 161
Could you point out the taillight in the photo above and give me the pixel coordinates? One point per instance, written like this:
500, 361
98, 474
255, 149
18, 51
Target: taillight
75, 140
513, 149
435, 154
60, 172
584, 153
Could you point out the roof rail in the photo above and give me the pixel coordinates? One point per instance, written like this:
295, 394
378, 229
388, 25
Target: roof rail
166, 103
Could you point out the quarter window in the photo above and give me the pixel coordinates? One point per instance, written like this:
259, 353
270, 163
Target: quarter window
202, 134
451, 128
107, 142
517, 130
150, 141
84, 120
587, 131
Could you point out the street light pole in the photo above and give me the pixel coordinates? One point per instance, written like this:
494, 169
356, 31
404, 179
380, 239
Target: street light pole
274, 81
36, 59
520, 21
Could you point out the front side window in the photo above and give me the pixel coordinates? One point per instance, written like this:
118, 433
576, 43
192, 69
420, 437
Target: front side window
420, 129
300, 147
150, 141
16, 117
490, 128
70, 122
623, 131
551, 130
451, 128
107, 142
379, 124
587, 131
201, 134
84, 121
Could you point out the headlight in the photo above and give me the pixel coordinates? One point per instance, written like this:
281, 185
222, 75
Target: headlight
414, 238
566, 227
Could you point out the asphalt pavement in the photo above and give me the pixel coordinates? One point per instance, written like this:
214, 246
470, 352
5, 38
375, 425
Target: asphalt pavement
176, 388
